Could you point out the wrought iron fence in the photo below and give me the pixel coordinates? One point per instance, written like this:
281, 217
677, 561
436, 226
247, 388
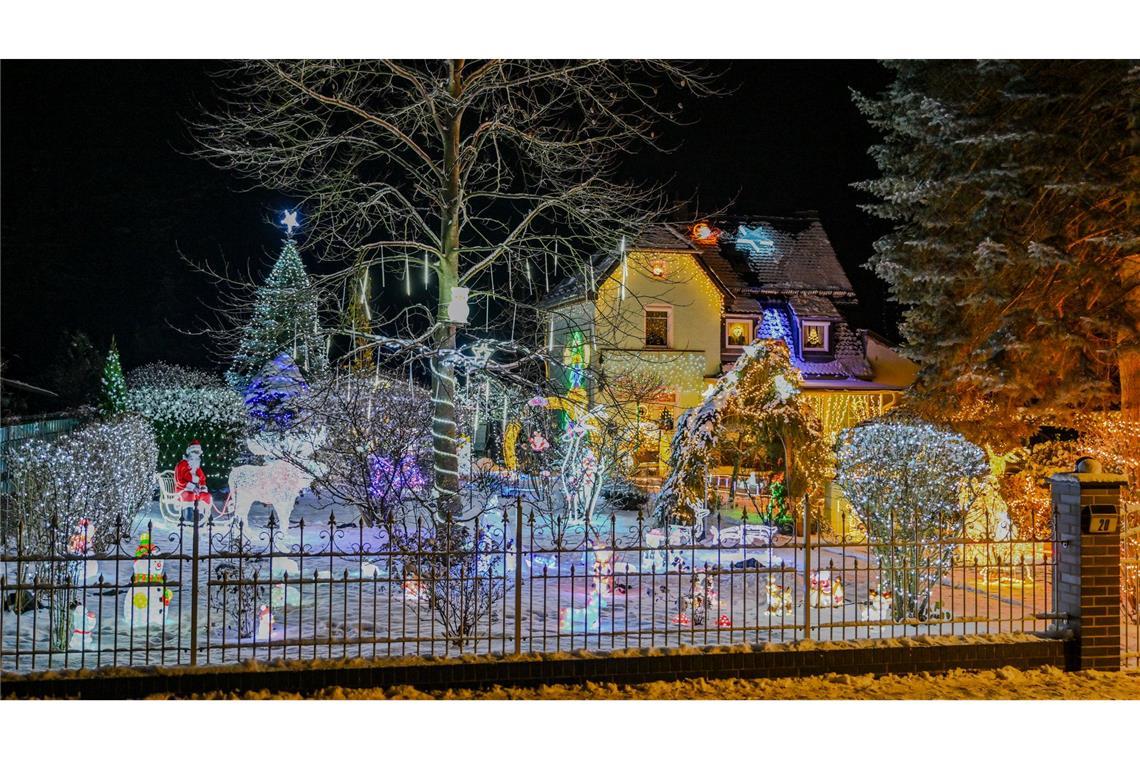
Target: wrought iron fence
509, 581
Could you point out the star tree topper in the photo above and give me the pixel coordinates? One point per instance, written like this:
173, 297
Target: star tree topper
289, 222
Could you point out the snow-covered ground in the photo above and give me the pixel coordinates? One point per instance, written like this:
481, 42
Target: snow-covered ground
1007, 683
344, 598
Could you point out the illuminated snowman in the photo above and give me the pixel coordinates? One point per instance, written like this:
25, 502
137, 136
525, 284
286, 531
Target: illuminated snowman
148, 601
82, 629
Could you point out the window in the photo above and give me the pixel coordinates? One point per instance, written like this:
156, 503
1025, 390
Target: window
657, 326
737, 332
815, 336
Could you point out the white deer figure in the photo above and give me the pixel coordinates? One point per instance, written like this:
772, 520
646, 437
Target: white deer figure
288, 471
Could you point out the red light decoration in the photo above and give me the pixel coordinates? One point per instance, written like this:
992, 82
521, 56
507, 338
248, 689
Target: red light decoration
704, 234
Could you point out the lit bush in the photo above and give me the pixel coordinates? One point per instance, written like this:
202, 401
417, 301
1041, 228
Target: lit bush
102, 473
184, 404
911, 484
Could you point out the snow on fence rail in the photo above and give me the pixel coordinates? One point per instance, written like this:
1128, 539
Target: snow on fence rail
184, 594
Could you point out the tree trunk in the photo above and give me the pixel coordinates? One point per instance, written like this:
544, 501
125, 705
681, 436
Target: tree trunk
1128, 353
443, 429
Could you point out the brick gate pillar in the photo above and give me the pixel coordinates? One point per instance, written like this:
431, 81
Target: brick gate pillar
1086, 505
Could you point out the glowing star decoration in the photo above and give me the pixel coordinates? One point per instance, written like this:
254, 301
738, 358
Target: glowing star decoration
289, 222
704, 234
754, 240
458, 310
482, 352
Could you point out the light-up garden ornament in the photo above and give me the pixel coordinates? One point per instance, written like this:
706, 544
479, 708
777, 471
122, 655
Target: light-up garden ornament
458, 310
703, 233
82, 542
148, 598
84, 626
289, 468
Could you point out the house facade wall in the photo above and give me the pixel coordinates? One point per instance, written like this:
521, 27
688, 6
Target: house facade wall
676, 283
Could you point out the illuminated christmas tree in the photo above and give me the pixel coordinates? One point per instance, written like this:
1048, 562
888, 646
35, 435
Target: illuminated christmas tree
114, 396
284, 320
272, 394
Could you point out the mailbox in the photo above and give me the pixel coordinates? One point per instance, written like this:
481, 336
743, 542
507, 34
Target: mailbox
1099, 518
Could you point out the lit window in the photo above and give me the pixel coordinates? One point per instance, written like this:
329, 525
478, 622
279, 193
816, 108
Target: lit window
657, 328
815, 336
737, 332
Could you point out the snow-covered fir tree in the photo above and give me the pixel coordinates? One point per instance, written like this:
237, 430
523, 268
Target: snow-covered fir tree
272, 395
284, 320
113, 399
755, 404
1008, 184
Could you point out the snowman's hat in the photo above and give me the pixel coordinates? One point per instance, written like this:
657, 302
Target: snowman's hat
145, 546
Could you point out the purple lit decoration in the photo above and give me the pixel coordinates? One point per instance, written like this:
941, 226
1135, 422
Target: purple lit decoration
392, 480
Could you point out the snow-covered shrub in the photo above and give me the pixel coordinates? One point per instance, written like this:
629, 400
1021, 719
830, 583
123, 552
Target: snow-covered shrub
102, 475
233, 596
459, 575
911, 484
622, 493
184, 404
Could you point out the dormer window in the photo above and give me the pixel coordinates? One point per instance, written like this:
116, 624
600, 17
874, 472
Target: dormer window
737, 333
815, 336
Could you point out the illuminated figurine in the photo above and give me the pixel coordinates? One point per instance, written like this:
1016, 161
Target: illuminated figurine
82, 542
264, 623
780, 599
190, 478
82, 629
878, 606
825, 591
148, 599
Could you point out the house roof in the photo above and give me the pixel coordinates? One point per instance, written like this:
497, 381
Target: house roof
753, 256
781, 254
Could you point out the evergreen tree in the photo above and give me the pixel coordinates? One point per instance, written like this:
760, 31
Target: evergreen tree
113, 399
272, 395
1009, 187
284, 320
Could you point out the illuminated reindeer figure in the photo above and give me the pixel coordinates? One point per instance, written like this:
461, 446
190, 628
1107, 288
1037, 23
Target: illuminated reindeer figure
289, 469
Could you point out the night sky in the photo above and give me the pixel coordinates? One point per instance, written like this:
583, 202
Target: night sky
99, 198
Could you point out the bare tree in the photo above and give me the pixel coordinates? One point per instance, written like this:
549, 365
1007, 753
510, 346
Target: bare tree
370, 432
480, 175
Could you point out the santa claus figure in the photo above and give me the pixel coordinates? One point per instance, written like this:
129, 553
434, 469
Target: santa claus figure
190, 478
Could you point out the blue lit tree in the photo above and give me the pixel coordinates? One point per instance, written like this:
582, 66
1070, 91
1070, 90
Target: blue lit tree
272, 395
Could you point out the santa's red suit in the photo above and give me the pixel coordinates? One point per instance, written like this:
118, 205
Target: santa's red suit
185, 482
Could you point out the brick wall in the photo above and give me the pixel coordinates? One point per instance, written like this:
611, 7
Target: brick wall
876, 658
1088, 568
